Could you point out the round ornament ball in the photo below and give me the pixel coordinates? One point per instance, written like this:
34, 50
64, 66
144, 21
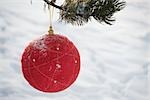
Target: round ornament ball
51, 63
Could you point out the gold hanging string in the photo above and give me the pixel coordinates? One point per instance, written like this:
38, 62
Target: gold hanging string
51, 12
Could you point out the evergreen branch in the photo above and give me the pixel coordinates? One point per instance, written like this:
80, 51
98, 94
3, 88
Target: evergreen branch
105, 9
78, 12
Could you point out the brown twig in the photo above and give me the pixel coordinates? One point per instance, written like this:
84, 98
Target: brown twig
53, 4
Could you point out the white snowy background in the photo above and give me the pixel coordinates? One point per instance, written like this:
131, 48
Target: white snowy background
115, 60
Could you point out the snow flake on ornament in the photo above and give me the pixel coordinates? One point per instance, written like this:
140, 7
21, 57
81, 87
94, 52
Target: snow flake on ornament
40, 44
55, 81
57, 48
58, 65
33, 60
75, 61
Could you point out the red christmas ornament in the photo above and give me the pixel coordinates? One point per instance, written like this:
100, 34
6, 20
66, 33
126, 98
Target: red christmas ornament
51, 63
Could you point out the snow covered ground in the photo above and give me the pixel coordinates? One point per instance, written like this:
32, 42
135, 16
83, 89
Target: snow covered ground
115, 60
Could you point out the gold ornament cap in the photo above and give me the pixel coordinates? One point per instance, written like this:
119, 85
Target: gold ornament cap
51, 31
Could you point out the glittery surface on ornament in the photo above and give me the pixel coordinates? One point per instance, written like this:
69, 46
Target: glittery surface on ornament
51, 63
